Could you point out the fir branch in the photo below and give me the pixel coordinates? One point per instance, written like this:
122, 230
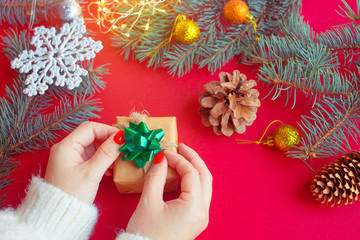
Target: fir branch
39, 132
276, 14
267, 15
84, 108
15, 128
14, 42
327, 130
218, 43
286, 83
312, 150
214, 57
296, 28
300, 60
345, 40
7, 165
262, 60
312, 71
273, 49
348, 12
217, 55
296, 35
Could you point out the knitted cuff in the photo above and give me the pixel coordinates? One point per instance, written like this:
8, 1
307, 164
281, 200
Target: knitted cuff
55, 212
130, 236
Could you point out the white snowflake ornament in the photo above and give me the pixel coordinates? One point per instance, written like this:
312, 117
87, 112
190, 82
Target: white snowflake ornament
57, 57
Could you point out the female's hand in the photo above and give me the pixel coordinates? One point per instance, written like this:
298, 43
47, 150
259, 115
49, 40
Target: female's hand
183, 218
77, 163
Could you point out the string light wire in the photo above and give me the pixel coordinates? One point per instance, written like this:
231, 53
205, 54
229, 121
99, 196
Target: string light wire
106, 13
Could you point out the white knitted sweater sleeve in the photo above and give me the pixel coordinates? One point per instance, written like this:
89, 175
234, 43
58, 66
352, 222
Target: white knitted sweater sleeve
48, 213
129, 236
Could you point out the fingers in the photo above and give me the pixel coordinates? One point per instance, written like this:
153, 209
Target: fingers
190, 179
195, 160
199, 164
154, 183
86, 133
109, 171
104, 156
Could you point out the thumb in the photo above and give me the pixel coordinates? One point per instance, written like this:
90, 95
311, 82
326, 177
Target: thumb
155, 180
106, 154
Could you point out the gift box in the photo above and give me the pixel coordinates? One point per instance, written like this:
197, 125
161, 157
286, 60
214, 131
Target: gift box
127, 176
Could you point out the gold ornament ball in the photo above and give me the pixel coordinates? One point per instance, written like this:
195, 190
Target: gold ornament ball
186, 32
236, 11
284, 135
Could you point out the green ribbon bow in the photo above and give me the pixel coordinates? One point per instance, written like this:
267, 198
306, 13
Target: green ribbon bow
141, 143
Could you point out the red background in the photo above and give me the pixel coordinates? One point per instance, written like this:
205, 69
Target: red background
258, 192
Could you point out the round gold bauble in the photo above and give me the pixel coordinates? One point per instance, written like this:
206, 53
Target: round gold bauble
186, 31
236, 12
284, 135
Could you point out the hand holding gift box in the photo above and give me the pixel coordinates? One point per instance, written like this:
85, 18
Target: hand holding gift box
145, 137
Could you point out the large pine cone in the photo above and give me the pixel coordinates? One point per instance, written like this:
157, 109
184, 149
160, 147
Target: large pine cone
229, 105
338, 183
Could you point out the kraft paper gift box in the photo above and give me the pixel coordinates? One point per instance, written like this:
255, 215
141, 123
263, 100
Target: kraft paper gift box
127, 176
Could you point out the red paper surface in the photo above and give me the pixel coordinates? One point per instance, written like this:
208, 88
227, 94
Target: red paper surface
258, 193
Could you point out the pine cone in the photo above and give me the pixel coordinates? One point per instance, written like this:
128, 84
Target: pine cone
229, 105
338, 183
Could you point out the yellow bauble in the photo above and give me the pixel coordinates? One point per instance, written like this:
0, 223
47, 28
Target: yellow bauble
186, 31
236, 12
284, 135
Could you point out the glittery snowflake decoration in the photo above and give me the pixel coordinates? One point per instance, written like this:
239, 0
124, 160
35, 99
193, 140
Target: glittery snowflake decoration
57, 57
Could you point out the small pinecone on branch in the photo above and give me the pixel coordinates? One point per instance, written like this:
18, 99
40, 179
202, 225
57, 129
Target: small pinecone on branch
229, 105
338, 183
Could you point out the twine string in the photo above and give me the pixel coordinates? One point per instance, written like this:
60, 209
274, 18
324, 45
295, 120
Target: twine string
138, 117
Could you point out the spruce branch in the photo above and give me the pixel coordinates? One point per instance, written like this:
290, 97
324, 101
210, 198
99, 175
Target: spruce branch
68, 114
327, 130
311, 90
296, 28
16, 127
299, 60
345, 40
292, 7
314, 78
15, 42
218, 43
348, 12
273, 49
6, 167
216, 56
324, 67
294, 38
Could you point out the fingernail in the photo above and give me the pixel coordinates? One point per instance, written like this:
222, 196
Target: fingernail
119, 137
183, 143
159, 157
